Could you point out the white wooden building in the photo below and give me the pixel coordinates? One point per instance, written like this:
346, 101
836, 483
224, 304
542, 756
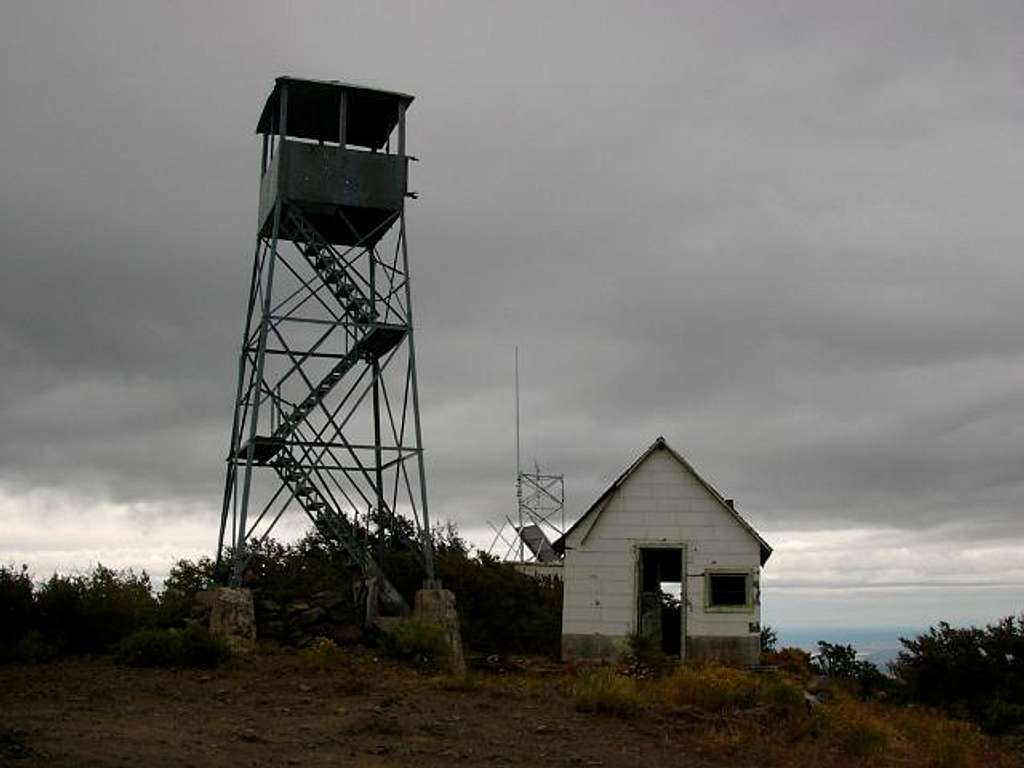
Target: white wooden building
625, 560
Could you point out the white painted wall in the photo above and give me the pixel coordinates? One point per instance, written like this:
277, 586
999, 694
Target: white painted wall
661, 502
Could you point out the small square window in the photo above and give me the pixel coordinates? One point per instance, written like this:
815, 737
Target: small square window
727, 590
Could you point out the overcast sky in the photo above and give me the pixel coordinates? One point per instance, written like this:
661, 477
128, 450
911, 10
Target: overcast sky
786, 236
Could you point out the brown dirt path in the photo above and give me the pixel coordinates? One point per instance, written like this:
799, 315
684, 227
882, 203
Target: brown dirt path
274, 710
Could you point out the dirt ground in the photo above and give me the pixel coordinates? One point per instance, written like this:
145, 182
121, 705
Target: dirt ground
275, 709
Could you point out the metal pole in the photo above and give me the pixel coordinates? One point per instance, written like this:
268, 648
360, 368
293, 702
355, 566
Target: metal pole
428, 543
519, 473
232, 469
378, 475
240, 558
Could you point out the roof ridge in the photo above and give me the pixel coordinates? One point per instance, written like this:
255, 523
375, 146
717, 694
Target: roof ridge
598, 506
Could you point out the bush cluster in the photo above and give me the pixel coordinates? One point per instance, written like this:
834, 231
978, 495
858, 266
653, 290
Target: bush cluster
500, 609
188, 647
71, 614
840, 662
643, 658
418, 642
975, 673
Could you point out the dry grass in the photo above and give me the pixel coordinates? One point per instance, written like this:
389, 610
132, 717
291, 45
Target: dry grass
736, 716
605, 691
322, 654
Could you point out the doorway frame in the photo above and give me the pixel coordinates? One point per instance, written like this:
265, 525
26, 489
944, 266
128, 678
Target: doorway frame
683, 547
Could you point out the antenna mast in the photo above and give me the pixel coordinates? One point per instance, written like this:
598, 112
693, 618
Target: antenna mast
540, 508
519, 471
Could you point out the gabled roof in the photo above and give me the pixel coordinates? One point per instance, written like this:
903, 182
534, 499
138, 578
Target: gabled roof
591, 515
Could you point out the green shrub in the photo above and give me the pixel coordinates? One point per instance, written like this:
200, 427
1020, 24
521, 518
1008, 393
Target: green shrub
840, 662
603, 691
185, 580
644, 658
90, 614
1000, 716
32, 648
500, 609
17, 611
322, 654
835, 660
416, 641
188, 647
970, 672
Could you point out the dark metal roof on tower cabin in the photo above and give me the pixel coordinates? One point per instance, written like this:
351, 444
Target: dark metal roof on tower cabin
602, 501
314, 108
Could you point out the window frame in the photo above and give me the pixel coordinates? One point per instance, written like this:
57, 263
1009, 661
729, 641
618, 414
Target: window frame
748, 605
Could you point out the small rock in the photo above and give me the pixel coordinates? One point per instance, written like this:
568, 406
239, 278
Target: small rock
310, 616
328, 599
303, 688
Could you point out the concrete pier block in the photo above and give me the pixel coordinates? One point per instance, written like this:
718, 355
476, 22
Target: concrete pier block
233, 617
437, 606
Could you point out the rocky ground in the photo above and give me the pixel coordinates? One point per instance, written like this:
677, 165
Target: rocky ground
279, 707
274, 709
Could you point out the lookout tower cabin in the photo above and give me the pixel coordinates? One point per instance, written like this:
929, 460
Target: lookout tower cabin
338, 151
662, 554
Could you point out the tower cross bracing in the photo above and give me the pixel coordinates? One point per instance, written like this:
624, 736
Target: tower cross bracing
326, 416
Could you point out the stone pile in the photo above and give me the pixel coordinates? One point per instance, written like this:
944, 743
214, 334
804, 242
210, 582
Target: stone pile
298, 622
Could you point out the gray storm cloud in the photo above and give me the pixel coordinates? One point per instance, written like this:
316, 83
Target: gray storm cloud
786, 237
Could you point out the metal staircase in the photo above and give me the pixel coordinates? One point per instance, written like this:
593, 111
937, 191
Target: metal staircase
333, 525
331, 267
370, 340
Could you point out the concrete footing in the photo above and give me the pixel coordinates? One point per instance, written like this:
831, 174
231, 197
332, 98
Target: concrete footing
233, 617
437, 606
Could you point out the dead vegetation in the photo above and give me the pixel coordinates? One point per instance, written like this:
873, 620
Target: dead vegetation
732, 715
327, 705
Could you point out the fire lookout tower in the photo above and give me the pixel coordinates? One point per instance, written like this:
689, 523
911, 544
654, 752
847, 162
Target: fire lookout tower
326, 413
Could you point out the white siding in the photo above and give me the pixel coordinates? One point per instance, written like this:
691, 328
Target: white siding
661, 502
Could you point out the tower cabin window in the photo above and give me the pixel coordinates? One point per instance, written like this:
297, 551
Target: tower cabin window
727, 590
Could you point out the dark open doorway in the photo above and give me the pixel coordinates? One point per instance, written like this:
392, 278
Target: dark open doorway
661, 597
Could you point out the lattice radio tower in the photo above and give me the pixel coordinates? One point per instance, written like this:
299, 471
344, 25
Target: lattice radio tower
326, 415
540, 510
